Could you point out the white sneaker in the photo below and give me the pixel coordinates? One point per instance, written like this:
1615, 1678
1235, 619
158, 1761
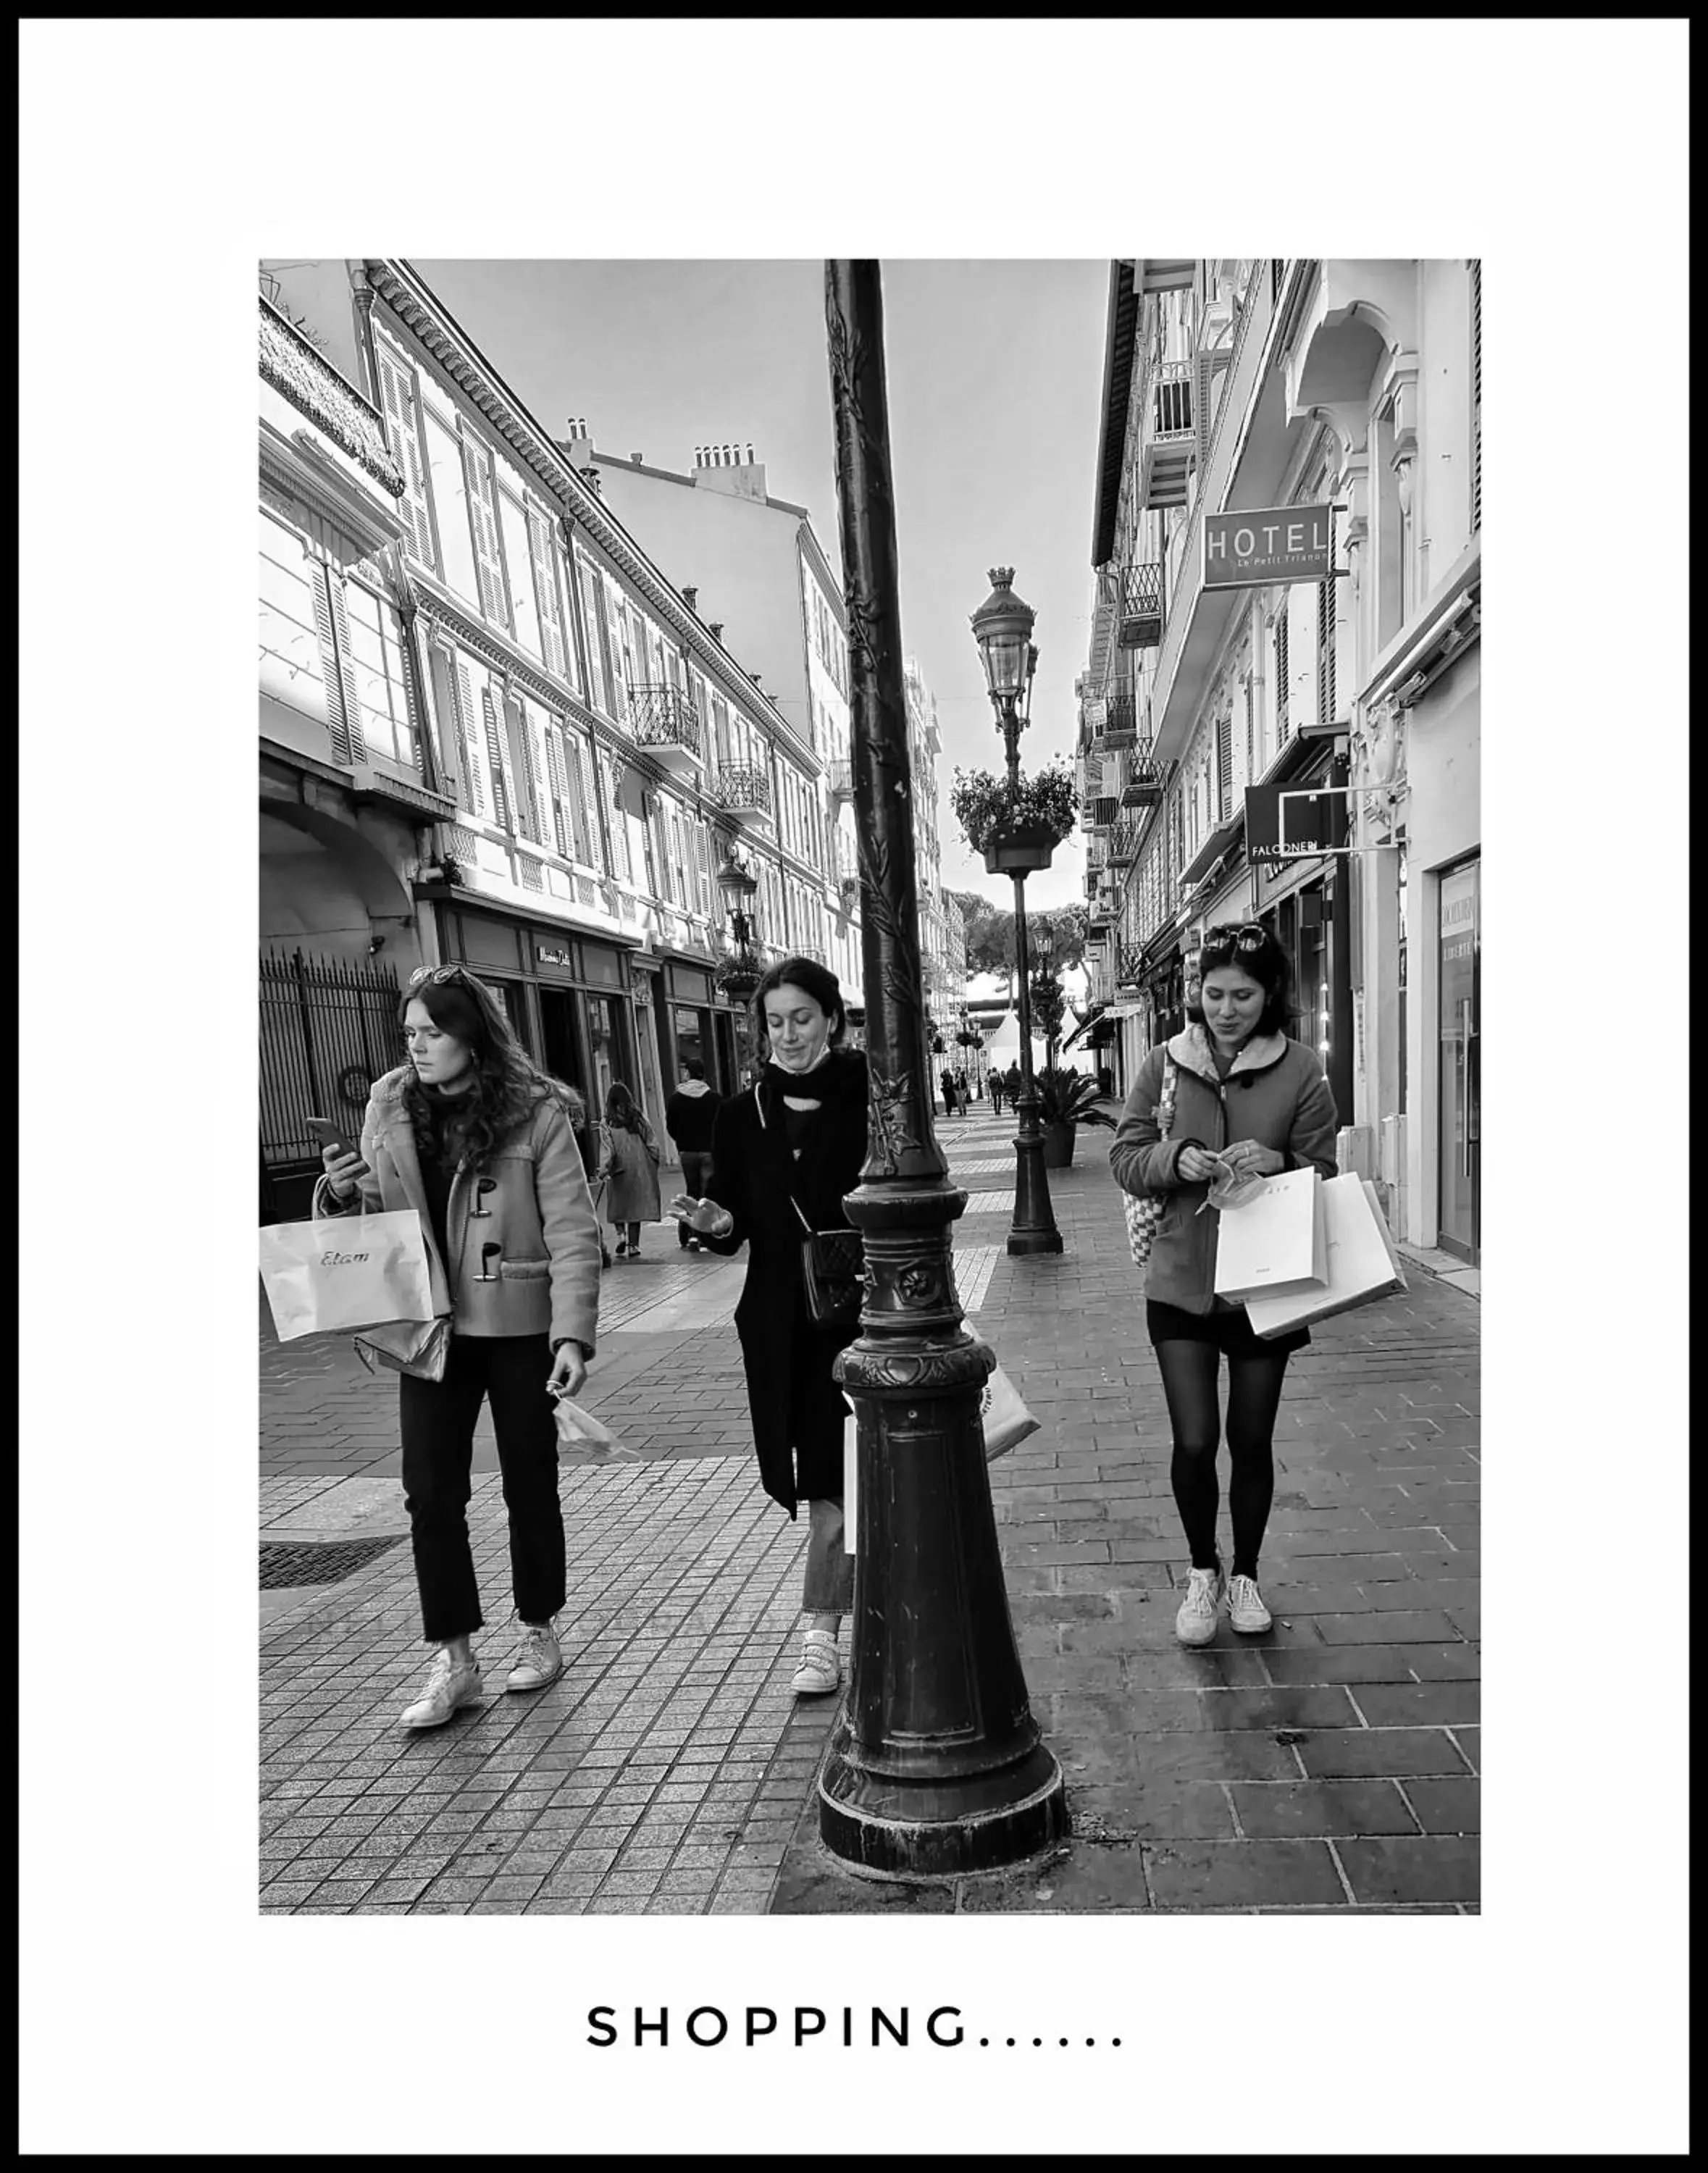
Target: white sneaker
820, 1670
538, 1660
1245, 1606
1195, 1623
450, 1686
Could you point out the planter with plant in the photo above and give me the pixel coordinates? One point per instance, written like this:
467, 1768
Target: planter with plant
1065, 1099
1015, 827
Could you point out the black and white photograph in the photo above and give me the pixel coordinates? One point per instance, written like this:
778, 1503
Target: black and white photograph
863, 877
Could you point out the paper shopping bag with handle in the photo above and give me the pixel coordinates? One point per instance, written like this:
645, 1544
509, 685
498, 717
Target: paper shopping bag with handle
1276, 1243
350, 1272
1363, 1265
1007, 1421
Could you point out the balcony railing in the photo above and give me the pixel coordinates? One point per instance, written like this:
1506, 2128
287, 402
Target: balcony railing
838, 776
1103, 811
1123, 842
1146, 776
1139, 622
1120, 721
663, 721
740, 789
1170, 439
1127, 967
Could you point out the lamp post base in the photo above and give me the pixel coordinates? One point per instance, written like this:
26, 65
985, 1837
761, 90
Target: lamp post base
903, 1829
1034, 1218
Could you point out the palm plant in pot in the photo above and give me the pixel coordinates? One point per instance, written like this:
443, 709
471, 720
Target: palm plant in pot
1015, 827
1064, 1099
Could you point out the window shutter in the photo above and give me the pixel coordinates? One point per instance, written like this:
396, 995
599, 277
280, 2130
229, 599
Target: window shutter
1224, 765
337, 729
1282, 682
399, 399
484, 524
546, 594
346, 670
598, 647
615, 619
621, 845
560, 790
1476, 394
1208, 361
587, 808
1325, 656
1250, 734
504, 785
533, 797
474, 789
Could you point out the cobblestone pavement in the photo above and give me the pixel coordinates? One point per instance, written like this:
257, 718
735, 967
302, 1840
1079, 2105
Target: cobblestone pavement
1329, 1765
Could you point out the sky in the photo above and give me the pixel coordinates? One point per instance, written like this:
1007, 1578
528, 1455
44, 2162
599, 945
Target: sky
995, 374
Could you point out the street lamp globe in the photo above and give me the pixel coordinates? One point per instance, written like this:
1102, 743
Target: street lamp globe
1002, 626
736, 882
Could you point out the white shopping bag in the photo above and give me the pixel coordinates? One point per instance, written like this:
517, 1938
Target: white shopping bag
1006, 1419
1362, 1263
1276, 1243
351, 1271
850, 1480
580, 1428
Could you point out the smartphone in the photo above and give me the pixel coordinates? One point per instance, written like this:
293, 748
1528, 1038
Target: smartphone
326, 1134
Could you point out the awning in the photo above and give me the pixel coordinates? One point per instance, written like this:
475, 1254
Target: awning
1212, 848
1085, 1026
1161, 946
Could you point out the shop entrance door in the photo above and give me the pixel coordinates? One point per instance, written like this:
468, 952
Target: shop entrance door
563, 1052
1461, 1067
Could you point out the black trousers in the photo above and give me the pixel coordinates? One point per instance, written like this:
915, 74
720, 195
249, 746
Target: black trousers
697, 1175
437, 1419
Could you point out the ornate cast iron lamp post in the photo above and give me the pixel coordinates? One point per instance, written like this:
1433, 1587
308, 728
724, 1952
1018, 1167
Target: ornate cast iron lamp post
742, 968
935, 1765
1002, 626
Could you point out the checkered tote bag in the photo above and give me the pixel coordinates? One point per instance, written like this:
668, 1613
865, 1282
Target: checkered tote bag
1143, 1210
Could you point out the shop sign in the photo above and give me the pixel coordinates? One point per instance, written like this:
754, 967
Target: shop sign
1314, 824
553, 954
1252, 550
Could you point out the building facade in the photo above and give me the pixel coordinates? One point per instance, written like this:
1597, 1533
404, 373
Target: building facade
572, 753
1350, 388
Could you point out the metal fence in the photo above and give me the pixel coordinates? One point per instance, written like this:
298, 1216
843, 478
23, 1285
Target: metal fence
328, 1030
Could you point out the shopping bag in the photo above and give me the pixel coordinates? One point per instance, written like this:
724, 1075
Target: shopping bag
1276, 1243
579, 1428
1006, 1419
352, 1272
1363, 1265
850, 1480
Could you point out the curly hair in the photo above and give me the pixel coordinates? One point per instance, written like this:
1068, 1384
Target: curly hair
508, 1085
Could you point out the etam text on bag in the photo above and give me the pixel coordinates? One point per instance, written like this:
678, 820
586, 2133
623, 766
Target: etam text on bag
342, 1260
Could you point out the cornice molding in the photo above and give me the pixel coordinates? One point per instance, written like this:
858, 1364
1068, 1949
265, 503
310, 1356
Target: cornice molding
398, 285
294, 366
297, 467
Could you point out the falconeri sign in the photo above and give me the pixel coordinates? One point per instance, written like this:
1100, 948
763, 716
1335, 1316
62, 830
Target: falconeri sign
1252, 549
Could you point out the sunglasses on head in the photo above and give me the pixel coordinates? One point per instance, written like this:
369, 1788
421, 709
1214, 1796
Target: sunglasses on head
423, 974
1246, 936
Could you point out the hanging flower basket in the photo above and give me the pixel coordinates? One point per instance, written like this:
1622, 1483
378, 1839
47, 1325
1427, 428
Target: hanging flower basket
1018, 851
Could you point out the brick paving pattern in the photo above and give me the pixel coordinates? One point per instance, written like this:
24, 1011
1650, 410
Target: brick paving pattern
1329, 1766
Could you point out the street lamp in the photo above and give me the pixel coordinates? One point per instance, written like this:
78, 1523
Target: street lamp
936, 1765
1043, 944
1002, 626
742, 968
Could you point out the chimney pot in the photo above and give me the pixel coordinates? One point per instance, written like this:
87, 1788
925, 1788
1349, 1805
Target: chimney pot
635, 457
715, 629
688, 597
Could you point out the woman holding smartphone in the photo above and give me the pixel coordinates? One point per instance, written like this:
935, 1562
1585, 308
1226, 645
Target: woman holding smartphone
475, 1137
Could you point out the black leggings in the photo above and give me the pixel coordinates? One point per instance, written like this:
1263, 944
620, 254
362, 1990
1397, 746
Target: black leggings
1189, 1372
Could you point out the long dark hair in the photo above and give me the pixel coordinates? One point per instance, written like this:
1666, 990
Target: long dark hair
508, 1085
819, 982
1263, 959
621, 1109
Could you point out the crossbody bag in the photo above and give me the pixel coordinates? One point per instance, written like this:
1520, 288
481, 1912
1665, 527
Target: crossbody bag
1143, 1210
832, 1263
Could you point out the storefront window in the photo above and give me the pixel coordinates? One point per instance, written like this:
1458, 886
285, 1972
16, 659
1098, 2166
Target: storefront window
1400, 858
691, 1040
605, 1048
1460, 1084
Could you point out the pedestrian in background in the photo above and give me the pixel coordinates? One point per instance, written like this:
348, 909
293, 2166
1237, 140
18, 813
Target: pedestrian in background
963, 1092
470, 1134
1250, 1102
1010, 1084
588, 1146
689, 1116
796, 1140
950, 1101
631, 1168
996, 1090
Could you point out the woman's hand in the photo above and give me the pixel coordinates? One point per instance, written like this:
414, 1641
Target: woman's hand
1196, 1166
1249, 1159
704, 1217
344, 1172
568, 1371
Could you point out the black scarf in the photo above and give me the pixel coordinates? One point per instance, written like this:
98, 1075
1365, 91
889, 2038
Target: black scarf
839, 1081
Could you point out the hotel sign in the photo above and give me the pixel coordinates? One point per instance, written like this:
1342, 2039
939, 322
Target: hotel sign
1253, 549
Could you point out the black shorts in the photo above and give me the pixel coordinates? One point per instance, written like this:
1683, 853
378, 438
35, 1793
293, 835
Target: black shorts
1230, 1330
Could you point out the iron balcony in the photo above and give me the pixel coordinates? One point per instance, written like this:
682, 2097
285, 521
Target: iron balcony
1138, 621
745, 793
665, 726
1146, 776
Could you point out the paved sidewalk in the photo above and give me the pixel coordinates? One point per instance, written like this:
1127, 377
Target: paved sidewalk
670, 1770
1329, 1765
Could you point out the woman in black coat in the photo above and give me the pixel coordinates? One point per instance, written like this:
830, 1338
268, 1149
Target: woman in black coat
798, 1135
